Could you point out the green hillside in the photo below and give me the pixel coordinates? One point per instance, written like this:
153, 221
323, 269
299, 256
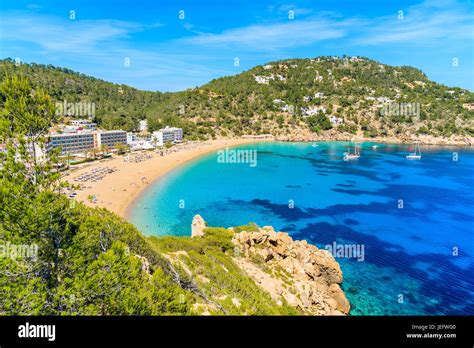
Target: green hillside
236, 105
59, 257
91, 262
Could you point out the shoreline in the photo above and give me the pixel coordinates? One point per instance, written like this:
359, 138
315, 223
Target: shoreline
379, 141
459, 141
138, 195
120, 190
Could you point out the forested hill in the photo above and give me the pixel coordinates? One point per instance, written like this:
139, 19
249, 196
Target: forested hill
296, 96
117, 106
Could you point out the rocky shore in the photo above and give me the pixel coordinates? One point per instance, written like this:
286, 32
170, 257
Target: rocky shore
293, 272
290, 270
400, 139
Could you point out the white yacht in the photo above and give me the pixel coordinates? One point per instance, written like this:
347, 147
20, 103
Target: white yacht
416, 154
351, 156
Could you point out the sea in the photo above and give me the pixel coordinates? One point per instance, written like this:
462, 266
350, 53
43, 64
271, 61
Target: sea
402, 230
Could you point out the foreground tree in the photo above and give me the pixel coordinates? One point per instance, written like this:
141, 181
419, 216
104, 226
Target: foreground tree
79, 261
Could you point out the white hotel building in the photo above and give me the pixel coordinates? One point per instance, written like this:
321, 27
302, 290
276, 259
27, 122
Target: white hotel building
157, 138
84, 141
71, 143
76, 141
170, 134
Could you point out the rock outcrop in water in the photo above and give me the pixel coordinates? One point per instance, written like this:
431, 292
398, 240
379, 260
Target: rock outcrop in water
293, 271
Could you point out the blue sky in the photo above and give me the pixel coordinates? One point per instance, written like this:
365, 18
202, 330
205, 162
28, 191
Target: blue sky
169, 53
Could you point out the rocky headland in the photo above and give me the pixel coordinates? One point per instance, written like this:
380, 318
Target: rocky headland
292, 272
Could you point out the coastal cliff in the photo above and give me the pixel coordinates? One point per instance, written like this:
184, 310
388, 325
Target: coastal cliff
306, 277
254, 270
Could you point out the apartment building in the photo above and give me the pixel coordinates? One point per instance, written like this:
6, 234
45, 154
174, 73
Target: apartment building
111, 138
168, 134
72, 143
82, 142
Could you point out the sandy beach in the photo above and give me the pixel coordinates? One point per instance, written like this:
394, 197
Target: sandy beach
119, 189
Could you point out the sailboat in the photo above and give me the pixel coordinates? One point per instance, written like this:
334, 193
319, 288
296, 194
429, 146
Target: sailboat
351, 156
416, 154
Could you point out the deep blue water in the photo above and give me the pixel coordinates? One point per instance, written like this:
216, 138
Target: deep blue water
408, 251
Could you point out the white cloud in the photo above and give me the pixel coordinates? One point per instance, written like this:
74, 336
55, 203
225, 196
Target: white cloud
422, 24
98, 47
103, 45
292, 33
62, 34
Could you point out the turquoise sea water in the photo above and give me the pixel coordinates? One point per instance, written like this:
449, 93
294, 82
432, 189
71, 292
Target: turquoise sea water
414, 218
